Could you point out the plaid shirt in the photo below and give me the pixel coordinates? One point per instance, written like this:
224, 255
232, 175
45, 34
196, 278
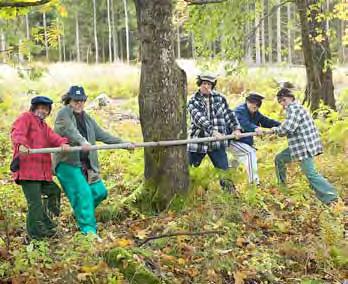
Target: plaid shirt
205, 120
30, 131
303, 137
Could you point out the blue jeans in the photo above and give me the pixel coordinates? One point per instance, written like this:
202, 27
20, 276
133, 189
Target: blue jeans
217, 157
323, 189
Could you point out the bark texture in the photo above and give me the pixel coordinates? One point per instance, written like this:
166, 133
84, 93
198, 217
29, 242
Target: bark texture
162, 105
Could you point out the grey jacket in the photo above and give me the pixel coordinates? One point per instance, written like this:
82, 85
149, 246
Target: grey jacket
65, 125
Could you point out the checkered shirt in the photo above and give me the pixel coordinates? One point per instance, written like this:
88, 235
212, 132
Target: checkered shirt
303, 136
204, 122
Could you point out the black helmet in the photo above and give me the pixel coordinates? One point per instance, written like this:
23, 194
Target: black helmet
75, 93
41, 100
206, 77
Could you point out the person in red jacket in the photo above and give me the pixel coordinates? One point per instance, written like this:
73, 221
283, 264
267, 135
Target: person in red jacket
33, 172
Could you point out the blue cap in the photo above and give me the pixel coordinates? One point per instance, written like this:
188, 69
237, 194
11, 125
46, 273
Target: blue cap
76, 93
41, 100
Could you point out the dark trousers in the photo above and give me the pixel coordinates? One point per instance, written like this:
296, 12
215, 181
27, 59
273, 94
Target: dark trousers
220, 161
217, 157
39, 224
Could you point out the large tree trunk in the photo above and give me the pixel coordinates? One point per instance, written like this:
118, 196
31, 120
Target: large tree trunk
317, 56
162, 105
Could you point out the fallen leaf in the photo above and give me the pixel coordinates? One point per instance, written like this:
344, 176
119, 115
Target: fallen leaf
239, 277
123, 243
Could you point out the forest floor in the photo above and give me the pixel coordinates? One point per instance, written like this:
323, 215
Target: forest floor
256, 235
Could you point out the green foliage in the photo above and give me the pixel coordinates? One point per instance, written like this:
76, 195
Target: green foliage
220, 23
267, 234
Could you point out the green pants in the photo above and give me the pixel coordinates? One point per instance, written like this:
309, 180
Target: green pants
83, 197
39, 224
323, 189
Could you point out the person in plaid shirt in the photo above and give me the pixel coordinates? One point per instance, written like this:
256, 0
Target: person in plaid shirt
34, 172
304, 143
210, 117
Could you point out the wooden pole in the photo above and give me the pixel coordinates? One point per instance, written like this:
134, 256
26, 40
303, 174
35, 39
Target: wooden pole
143, 144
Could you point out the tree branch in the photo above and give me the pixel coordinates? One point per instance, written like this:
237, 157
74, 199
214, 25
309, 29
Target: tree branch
274, 9
181, 234
201, 2
22, 4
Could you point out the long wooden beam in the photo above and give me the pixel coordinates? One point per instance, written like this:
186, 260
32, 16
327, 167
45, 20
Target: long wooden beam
143, 144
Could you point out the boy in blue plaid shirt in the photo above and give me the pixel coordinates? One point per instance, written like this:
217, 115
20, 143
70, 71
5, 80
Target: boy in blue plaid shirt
304, 143
210, 117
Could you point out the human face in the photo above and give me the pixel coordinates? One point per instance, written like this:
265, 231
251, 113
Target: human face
42, 111
285, 101
205, 88
252, 107
77, 106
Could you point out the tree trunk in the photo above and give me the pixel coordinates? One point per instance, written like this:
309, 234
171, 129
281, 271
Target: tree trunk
257, 39
279, 36
27, 29
63, 42
95, 31
27, 32
263, 40
114, 32
60, 47
45, 35
121, 45
127, 28
178, 40
193, 46
162, 105
341, 50
327, 20
289, 34
77, 35
248, 52
109, 30
270, 35
317, 56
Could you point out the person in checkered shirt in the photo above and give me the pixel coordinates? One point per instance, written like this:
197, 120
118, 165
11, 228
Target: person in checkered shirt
211, 117
304, 143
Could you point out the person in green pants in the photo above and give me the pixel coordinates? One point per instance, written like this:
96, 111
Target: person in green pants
78, 172
304, 144
34, 172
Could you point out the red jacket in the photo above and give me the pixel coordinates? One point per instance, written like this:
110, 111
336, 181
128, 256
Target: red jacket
30, 131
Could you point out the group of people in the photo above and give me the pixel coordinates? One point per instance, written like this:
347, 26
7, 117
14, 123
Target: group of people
211, 116
78, 171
